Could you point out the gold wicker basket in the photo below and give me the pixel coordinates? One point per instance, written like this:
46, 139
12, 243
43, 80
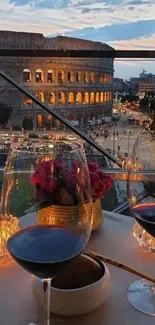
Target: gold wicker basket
97, 214
60, 215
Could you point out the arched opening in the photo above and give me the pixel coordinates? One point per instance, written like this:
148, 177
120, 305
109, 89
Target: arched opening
92, 98
79, 98
78, 76
70, 77
39, 121
70, 98
27, 123
49, 121
86, 77
39, 75
105, 96
97, 97
27, 101
101, 97
70, 117
92, 77
40, 96
86, 98
101, 77
61, 76
105, 77
50, 76
51, 100
26, 75
61, 99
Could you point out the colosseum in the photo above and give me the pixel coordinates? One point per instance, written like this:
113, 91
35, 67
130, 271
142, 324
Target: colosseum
80, 89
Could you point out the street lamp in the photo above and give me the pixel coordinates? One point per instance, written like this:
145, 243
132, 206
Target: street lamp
128, 133
114, 137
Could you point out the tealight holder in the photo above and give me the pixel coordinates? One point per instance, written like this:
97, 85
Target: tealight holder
145, 240
8, 226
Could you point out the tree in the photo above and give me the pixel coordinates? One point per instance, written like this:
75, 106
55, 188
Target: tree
152, 109
5, 113
129, 98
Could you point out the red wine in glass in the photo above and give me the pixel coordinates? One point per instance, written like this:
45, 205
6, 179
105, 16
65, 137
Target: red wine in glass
45, 250
144, 213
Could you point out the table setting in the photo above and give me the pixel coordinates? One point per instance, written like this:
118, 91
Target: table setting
53, 257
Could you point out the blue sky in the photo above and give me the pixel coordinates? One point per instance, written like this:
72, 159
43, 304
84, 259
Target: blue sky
123, 24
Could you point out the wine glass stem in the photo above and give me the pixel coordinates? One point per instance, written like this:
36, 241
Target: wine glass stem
47, 299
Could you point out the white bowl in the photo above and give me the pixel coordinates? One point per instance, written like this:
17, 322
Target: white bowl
75, 301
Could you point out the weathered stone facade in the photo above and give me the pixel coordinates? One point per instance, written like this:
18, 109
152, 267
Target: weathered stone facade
80, 89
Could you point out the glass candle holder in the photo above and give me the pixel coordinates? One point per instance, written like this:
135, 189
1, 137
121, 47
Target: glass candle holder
8, 226
146, 241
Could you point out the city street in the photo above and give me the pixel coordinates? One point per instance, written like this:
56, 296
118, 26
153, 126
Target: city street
124, 141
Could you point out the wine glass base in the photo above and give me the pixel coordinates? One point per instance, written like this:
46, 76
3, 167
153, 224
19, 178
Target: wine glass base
141, 295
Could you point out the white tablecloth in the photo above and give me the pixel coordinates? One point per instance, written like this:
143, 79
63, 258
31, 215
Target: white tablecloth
113, 239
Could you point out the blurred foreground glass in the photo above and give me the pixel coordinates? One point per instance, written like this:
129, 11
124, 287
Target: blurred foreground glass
47, 185
141, 196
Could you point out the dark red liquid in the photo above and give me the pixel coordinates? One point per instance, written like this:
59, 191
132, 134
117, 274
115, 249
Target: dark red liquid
45, 250
145, 216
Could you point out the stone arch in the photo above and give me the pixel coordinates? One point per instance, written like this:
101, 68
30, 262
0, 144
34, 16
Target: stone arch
92, 98
26, 75
50, 76
39, 76
79, 98
27, 122
49, 121
92, 77
40, 96
27, 101
86, 98
70, 77
105, 96
105, 78
101, 77
51, 99
61, 98
70, 117
97, 97
61, 76
78, 76
39, 120
101, 97
92, 116
70, 98
86, 77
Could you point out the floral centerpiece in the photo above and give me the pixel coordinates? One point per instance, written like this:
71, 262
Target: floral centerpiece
57, 186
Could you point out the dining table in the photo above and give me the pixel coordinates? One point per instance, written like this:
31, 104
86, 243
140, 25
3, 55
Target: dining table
113, 239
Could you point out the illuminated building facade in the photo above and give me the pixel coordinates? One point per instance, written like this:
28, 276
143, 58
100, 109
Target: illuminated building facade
80, 89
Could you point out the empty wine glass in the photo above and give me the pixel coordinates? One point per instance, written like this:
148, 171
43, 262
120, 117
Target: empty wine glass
47, 186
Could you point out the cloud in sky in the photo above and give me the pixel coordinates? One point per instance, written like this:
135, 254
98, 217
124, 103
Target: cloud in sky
123, 24
42, 3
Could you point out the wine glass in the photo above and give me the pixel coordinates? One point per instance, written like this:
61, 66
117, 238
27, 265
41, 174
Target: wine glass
141, 197
47, 186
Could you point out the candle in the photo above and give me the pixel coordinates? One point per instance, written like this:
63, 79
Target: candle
8, 226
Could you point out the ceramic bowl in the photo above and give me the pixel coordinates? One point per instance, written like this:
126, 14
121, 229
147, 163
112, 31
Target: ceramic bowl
78, 301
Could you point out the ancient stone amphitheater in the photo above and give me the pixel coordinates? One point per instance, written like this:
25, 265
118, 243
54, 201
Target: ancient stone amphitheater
79, 89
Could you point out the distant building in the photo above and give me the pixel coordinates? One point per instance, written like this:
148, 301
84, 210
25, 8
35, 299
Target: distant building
120, 86
146, 84
80, 89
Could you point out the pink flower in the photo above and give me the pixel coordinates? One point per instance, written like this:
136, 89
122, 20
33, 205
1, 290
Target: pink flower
92, 167
71, 177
